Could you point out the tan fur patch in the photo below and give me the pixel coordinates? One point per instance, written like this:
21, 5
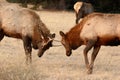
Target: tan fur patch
99, 25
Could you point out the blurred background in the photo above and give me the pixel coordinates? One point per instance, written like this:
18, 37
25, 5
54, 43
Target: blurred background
109, 6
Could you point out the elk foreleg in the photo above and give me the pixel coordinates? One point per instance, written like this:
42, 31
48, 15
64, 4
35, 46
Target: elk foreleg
28, 49
76, 18
1, 34
93, 56
89, 45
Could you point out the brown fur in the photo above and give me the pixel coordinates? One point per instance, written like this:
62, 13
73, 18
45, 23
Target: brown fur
25, 24
74, 40
94, 30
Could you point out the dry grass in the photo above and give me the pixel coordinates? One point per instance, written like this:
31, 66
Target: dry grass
55, 65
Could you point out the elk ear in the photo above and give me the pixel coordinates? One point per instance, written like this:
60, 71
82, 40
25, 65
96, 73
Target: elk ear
62, 34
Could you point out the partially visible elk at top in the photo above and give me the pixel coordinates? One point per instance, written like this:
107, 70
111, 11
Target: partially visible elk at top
25, 24
82, 9
93, 31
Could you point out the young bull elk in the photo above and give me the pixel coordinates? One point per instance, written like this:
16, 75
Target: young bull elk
94, 30
25, 24
82, 9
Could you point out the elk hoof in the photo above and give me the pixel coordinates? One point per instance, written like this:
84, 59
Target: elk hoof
89, 71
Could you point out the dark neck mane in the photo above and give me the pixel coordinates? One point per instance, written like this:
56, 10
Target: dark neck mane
73, 36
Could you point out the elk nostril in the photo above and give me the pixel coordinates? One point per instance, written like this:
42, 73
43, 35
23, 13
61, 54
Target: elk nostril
68, 53
40, 55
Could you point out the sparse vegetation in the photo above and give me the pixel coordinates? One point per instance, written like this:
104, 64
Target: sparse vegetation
18, 73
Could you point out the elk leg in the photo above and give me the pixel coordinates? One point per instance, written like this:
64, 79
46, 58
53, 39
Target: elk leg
93, 56
77, 18
79, 15
1, 35
28, 49
89, 45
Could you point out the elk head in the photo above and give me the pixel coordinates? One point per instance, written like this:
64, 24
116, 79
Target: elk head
66, 43
45, 45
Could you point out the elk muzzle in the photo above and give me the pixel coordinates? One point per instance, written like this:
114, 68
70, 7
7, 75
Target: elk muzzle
44, 47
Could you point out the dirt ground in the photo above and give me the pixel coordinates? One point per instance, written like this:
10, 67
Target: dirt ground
54, 64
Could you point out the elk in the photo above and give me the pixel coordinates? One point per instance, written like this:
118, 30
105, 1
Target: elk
25, 24
82, 9
94, 31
